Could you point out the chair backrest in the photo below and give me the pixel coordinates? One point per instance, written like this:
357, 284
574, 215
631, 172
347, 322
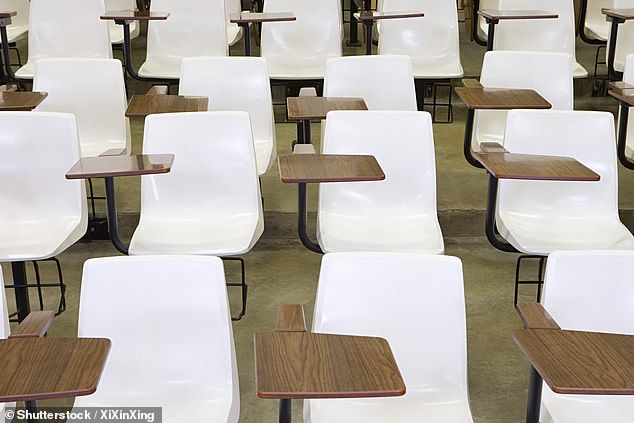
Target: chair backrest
292, 47
235, 83
94, 91
170, 346
429, 40
628, 76
595, 20
482, 28
591, 290
415, 301
403, 145
68, 28
214, 169
550, 74
37, 149
194, 28
588, 137
625, 37
116, 30
365, 77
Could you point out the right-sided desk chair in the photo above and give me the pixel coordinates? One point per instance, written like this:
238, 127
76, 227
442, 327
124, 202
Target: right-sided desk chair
397, 214
209, 204
172, 342
536, 217
116, 31
589, 291
416, 302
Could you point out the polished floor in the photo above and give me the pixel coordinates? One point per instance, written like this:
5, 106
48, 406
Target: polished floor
280, 270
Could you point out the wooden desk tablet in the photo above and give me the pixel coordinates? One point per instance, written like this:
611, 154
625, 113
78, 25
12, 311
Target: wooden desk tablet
20, 100
311, 168
41, 368
244, 19
494, 16
616, 17
505, 165
134, 15
143, 105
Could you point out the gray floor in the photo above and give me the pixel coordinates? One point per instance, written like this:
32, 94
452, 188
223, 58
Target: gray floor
281, 271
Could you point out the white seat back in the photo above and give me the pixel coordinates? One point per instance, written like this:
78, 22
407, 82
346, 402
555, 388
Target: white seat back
482, 28
628, 77
116, 30
550, 74
596, 26
236, 83
625, 37
365, 77
171, 348
94, 91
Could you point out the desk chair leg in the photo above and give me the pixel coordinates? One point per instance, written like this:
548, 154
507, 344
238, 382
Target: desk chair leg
540, 275
62, 286
242, 284
286, 410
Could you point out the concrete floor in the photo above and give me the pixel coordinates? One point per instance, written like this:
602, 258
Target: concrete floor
280, 270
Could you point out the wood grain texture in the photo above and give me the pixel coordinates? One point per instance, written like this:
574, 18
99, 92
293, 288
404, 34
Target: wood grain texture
471, 83
308, 107
572, 362
143, 105
369, 15
535, 167
625, 14
624, 96
290, 318
492, 147
497, 14
535, 316
36, 324
41, 368
312, 168
109, 166
20, 100
256, 17
312, 365
620, 85
501, 98
135, 15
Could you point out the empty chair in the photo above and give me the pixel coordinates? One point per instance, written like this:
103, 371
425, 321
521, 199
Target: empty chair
65, 28
589, 291
20, 22
596, 28
171, 347
116, 31
299, 49
416, 302
625, 37
234, 31
397, 214
194, 28
556, 35
94, 91
550, 74
236, 83
366, 77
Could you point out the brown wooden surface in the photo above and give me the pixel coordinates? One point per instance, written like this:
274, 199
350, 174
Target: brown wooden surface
573, 362
158, 90
36, 324
312, 365
246, 17
535, 167
492, 147
309, 107
471, 83
143, 105
517, 14
369, 15
290, 318
109, 166
20, 100
311, 168
625, 14
41, 368
535, 316
620, 85
625, 96
501, 98
135, 15
9, 14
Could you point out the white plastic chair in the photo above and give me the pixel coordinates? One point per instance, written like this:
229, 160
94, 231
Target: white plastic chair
94, 91
236, 83
537, 217
171, 347
115, 30
397, 214
384, 82
589, 291
596, 27
550, 74
194, 28
431, 41
416, 302
299, 49
625, 37
20, 22
65, 28
556, 35
234, 31
628, 77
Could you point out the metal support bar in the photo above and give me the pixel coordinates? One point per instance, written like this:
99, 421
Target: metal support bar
354, 26
247, 38
301, 220
468, 135
491, 34
534, 397
490, 226
286, 414
22, 303
127, 56
614, 30
5, 50
368, 36
111, 204
622, 136
582, 25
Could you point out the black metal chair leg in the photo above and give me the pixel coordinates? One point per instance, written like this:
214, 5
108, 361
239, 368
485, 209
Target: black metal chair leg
243, 287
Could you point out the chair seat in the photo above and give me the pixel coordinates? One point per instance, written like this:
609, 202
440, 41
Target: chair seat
542, 235
26, 238
578, 71
263, 155
92, 149
434, 407
208, 236
588, 408
27, 71
301, 68
355, 233
161, 67
16, 32
234, 33
116, 32
597, 31
439, 69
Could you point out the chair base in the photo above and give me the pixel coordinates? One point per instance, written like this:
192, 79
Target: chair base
38, 285
428, 88
540, 275
242, 284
